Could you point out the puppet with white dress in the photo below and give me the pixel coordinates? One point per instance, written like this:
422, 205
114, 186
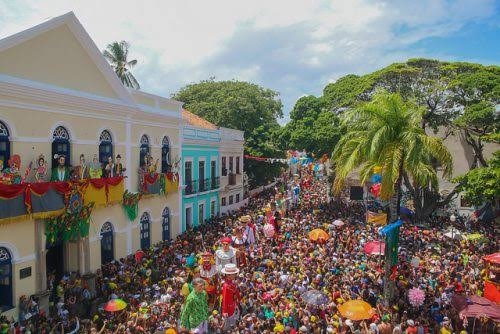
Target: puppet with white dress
226, 254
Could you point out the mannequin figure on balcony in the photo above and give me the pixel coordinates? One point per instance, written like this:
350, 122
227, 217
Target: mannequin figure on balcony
118, 169
40, 169
95, 169
61, 172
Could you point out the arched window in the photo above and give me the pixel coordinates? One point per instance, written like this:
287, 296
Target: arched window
105, 147
60, 146
5, 280
165, 224
144, 150
107, 243
4, 145
165, 155
145, 223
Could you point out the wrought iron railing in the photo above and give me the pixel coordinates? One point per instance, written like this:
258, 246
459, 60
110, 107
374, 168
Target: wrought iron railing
190, 188
215, 183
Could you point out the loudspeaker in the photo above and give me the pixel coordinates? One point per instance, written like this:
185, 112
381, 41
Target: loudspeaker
356, 193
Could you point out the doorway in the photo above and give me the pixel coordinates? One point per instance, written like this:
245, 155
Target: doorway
54, 260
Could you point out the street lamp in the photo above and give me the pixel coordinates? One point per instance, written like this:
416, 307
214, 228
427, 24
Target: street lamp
452, 220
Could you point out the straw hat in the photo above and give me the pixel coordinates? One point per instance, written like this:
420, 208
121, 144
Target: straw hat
245, 219
230, 269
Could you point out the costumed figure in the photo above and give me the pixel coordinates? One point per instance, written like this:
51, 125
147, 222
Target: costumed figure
226, 254
95, 169
118, 169
230, 297
250, 230
195, 311
61, 172
152, 167
110, 167
239, 243
40, 169
12, 174
208, 272
81, 171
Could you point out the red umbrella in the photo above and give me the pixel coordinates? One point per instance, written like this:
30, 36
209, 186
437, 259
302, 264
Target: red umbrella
375, 247
493, 258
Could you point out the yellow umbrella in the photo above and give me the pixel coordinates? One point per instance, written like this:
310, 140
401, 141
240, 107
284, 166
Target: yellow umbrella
356, 310
317, 234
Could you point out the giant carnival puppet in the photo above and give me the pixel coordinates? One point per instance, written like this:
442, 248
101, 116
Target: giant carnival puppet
230, 296
225, 254
239, 242
208, 271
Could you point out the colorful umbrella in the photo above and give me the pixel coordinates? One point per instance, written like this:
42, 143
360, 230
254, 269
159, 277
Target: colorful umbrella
115, 305
356, 310
338, 222
315, 297
317, 234
493, 258
374, 248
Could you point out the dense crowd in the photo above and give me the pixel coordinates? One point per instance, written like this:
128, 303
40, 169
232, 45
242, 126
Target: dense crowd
278, 271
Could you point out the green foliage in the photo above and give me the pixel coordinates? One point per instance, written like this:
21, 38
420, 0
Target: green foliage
242, 106
387, 133
347, 91
232, 104
312, 128
481, 185
116, 54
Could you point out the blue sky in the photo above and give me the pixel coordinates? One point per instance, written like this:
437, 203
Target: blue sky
294, 47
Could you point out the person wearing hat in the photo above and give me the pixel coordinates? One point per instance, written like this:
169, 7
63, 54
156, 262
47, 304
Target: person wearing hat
230, 296
225, 255
195, 312
239, 242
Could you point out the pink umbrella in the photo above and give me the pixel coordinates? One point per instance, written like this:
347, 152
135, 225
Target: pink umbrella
374, 247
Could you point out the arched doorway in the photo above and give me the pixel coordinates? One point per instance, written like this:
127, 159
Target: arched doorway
144, 150
165, 155
5, 280
4, 145
145, 230
107, 243
105, 147
60, 146
165, 224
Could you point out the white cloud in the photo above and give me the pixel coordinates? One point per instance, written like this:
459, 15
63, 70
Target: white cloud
291, 46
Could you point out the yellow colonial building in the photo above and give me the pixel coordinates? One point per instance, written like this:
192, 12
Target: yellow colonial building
59, 96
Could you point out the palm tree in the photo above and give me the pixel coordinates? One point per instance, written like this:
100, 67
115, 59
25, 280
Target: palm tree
116, 53
387, 133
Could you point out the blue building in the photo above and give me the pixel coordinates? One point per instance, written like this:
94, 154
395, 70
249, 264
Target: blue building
200, 144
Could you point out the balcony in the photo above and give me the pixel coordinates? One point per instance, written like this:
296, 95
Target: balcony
215, 182
231, 180
203, 185
190, 188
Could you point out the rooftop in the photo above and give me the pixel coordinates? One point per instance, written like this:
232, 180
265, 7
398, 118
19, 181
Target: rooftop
197, 121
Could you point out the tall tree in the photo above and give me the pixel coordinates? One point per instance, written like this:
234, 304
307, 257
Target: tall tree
117, 55
312, 127
243, 106
387, 132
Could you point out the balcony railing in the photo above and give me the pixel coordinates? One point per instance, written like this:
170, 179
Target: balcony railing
231, 180
203, 185
215, 182
190, 188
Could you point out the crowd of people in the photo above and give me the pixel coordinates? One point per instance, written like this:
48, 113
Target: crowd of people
273, 271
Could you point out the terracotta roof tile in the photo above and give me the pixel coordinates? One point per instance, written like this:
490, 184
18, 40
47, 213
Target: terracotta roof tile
197, 121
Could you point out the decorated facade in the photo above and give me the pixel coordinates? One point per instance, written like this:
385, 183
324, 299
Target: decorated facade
88, 169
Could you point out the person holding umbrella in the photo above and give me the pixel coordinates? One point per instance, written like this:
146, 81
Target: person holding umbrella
195, 312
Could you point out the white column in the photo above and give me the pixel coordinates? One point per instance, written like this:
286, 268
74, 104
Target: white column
40, 264
128, 151
181, 180
129, 238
